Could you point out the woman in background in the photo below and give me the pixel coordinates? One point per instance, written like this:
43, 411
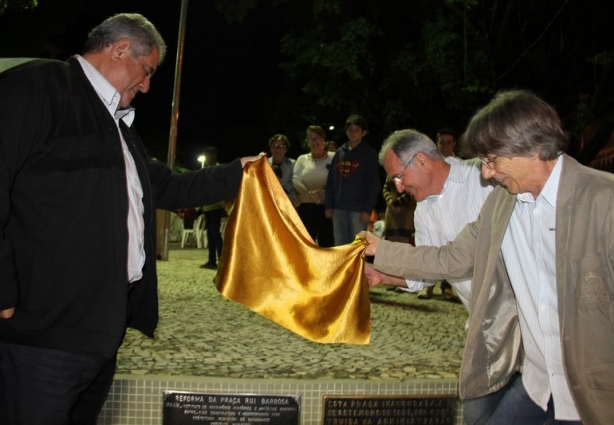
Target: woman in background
309, 179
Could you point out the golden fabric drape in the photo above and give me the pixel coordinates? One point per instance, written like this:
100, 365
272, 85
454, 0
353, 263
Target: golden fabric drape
271, 265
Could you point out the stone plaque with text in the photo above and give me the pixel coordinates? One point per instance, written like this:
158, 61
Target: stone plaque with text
186, 408
389, 410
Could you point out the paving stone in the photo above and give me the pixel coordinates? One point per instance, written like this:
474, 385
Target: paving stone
201, 333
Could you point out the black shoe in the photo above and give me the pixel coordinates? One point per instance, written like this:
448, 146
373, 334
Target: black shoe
209, 265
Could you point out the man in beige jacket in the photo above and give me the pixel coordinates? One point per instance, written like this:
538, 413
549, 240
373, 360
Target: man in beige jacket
541, 255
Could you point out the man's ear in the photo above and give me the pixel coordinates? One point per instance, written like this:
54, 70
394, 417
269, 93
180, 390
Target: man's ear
120, 49
421, 160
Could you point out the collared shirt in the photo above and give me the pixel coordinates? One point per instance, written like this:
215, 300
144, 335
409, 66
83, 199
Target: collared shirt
529, 251
440, 218
135, 222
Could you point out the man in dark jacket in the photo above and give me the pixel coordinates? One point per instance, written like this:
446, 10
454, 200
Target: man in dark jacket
77, 216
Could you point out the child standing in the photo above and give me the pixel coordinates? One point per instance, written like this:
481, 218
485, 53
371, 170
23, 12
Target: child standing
353, 183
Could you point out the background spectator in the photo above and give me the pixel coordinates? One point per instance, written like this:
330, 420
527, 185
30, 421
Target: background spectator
310, 174
353, 183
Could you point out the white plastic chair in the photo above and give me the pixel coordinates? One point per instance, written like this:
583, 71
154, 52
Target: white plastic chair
194, 232
201, 233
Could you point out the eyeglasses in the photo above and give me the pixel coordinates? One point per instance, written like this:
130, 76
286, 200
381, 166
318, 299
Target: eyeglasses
487, 161
149, 71
399, 177
279, 146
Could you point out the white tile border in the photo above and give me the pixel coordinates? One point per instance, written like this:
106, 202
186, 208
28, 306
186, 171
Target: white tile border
137, 400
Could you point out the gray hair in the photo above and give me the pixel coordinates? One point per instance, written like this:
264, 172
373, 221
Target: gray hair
516, 123
407, 143
143, 35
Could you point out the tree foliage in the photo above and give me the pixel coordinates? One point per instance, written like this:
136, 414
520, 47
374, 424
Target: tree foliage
420, 63
235, 11
16, 5
427, 63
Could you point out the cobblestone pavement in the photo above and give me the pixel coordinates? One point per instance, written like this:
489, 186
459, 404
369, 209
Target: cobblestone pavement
202, 334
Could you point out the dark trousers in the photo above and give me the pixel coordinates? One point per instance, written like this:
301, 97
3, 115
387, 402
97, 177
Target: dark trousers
52, 387
213, 222
510, 405
319, 227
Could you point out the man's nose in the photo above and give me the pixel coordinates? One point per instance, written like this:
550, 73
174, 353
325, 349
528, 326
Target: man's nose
399, 186
487, 172
144, 86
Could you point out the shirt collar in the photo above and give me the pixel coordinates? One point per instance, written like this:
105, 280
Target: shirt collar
454, 176
551, 188
456, 173
107, 93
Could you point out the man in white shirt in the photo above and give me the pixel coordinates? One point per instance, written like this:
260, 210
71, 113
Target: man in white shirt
446, 144
541, 257
449, 194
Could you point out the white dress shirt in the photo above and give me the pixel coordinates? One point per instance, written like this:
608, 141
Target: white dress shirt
135, 222
529, 253
440, 218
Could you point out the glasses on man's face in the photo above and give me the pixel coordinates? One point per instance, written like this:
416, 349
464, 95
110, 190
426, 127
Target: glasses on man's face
149, 71
278, 146
488, 161
399, 177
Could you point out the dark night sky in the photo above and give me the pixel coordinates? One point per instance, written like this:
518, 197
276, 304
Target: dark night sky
230, 76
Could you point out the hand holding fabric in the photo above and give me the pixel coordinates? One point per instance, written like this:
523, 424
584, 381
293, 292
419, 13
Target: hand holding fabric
247, 159
372, 242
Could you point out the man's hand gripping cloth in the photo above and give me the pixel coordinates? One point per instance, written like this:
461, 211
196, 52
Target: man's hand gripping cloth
271, 265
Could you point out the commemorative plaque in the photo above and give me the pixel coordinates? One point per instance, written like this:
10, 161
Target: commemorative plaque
185, 408
389, 410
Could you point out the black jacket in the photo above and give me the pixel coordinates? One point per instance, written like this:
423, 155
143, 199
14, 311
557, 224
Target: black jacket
63, 210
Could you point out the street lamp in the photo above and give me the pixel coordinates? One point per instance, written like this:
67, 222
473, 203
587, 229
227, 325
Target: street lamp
201, 159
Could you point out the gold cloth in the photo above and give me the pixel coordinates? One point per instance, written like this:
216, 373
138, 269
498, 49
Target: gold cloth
271, 265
